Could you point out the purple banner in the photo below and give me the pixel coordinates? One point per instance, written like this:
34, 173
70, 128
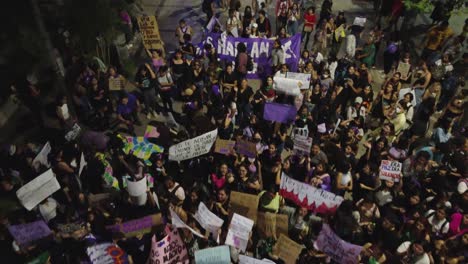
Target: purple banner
336, 248
259, 49
27, 233
282, 113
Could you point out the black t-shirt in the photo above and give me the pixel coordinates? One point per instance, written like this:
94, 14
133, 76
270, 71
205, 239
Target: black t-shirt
244, 96
144, 80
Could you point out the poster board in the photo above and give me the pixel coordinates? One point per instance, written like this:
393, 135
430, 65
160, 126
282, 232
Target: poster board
390, 170
223, 146
336, 248
246, 148
272, 225
245, 204
193, 147
149, 31
138, 226
287, 249
37, 190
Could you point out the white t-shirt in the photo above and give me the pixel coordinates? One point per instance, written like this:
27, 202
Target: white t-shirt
405, 246
441, 227
179, 193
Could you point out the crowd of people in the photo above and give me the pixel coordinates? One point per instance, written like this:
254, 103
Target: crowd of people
416, 117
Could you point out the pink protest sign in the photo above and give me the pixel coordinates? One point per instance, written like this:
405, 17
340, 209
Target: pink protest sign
170, 249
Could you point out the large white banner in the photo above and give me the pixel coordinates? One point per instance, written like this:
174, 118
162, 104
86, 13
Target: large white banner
193, 147
35, 191
207, 219
304, 78
288, 86
305, 195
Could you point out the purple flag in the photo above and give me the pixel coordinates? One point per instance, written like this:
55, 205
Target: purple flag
27, 233
282, 113
259, 50
335, 247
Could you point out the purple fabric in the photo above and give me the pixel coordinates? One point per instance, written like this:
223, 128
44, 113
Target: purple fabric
259, 50
27, 233
282, 113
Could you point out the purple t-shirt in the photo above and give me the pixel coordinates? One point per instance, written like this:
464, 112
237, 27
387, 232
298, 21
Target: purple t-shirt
129, 107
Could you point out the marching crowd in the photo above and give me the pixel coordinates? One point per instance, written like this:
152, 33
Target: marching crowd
415, 118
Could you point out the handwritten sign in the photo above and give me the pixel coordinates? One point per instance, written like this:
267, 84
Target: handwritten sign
138, 226
106, 253
171, 249
35, 191
116, 83
339, 250
239, 232
288, 86
177, 222
42, 157
246, 148
390, 170
287, 249
193, 147
272, 225
245, 204
307, 196
150, 32
302, 145
223, 146
207, 219
25, 234
214, 255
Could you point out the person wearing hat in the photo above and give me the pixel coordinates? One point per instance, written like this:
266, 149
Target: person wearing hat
356, 109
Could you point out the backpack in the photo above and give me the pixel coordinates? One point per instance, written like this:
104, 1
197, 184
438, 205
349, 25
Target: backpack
250, 64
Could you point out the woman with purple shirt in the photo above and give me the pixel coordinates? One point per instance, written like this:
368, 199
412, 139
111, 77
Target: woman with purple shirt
319, 177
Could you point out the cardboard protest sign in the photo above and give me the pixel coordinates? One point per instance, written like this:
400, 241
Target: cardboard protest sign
151, 132
25, 234
304, 78
282, 113
239, 232
149, 30
288, 86
193, 147
404, 91
170, 249
106, 253
214, 255
140, 147
287, 249
390, 170
302, 145
223, 146
249, 260
245, 204
116, 83
305, 195
42, 157
404, 69
272, 225
177, 222
246, 148
336, 248
35, 191
207, 219
137, 226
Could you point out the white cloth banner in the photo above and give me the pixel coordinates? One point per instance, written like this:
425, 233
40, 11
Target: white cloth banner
177, 222
207, 219
37, 190
239, 232
193, 147
305, 195
42, 157
304, 78
288, 86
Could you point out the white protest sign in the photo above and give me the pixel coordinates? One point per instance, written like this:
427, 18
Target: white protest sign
302, 144
35, 191
288, 86
305, 195
404, 91
359, 21
249, 260
42, 157
207, 219
304, 78
177, 222
239, 232
193, 147
390, 170
214, 255
137, 188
